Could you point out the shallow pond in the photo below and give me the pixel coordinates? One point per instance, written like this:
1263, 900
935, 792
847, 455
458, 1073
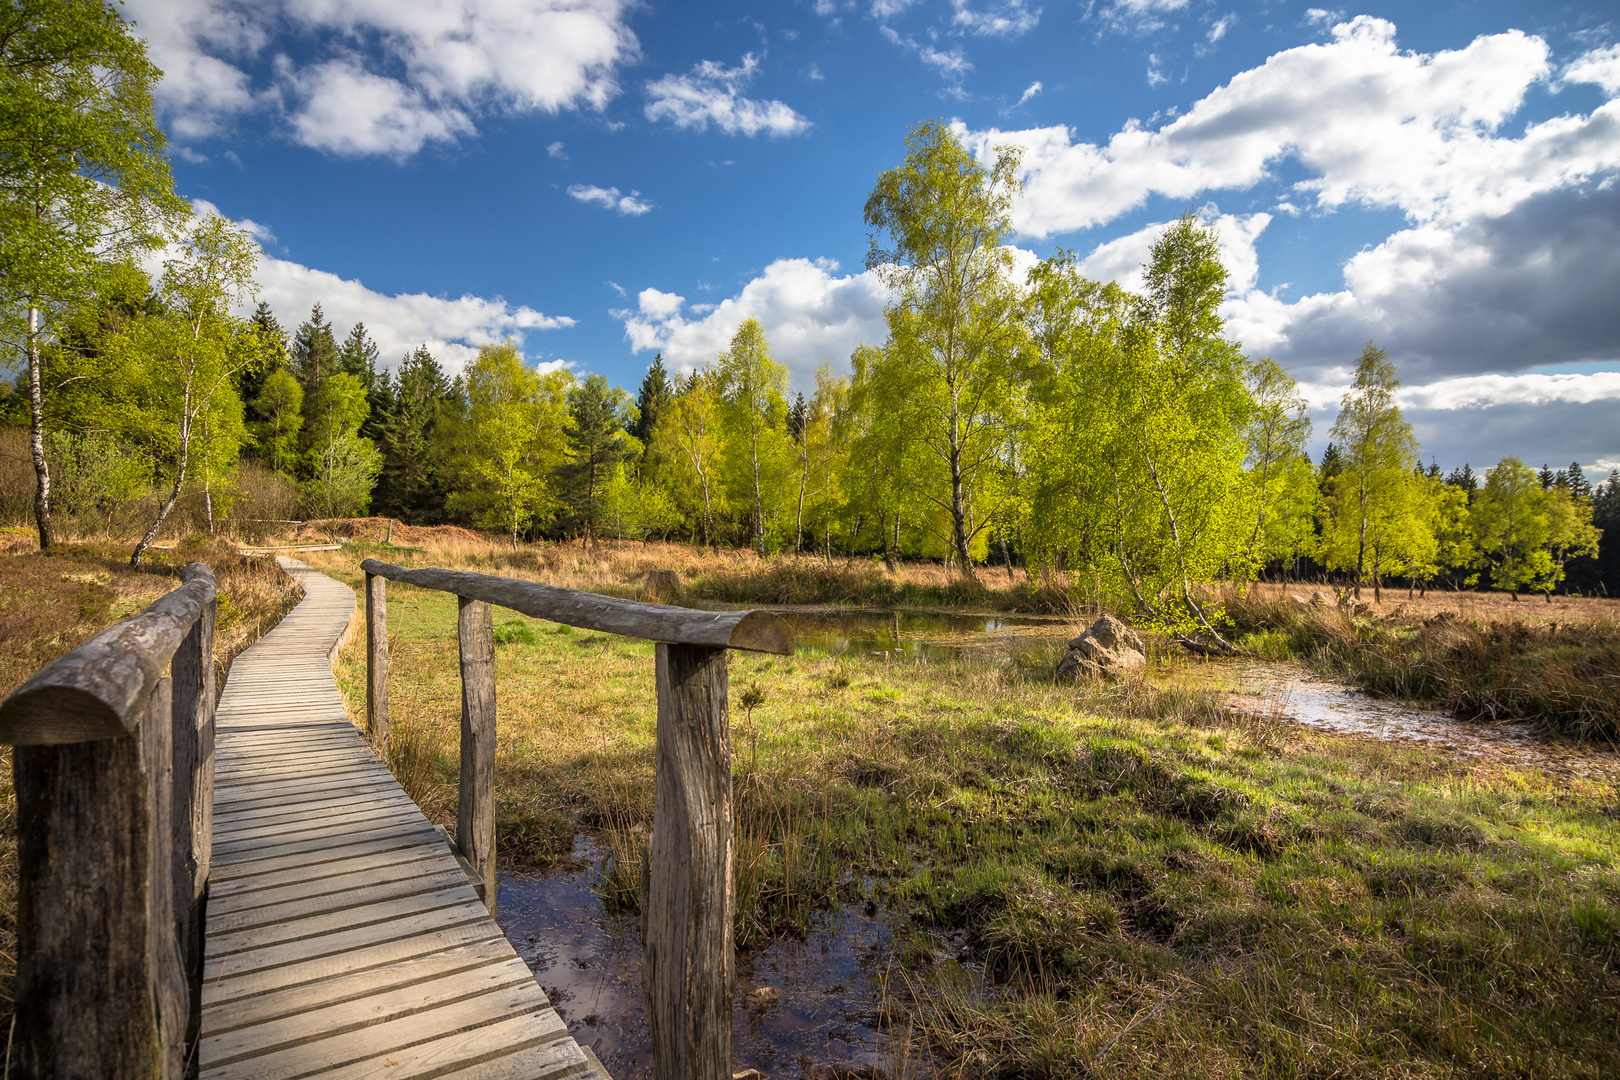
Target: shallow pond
922, 634
814, 1008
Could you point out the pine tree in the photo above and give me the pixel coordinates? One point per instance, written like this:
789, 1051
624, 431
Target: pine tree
1547, 477
273, 348
410, 487
1332, 463
1578, 485
314, 353
1464, 478
359, 355
599, 442
655, 391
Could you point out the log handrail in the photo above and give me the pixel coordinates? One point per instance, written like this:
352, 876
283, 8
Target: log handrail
757, 631
113, 767
688, 968
100, 689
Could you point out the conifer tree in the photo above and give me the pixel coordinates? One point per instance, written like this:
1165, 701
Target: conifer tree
314, 353
655, 391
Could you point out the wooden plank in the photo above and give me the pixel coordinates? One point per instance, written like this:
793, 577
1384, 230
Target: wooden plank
377, 661
309, 924
233, 986
475, 806
356, 895
381, 1005
686, 969
294, 952
244, 904
225, 892
226, 871
424, 1043
353, 985
320, 830
760, 631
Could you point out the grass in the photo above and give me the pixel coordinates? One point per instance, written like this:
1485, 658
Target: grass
54, 601
1154, 884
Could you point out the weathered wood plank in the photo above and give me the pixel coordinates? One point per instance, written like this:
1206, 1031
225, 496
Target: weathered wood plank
686, 971
475, 807
361, 894
323, 1025
349, 986
307, 925
759, 631
377, 661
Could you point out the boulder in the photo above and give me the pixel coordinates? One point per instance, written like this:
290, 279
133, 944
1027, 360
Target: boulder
1109, 649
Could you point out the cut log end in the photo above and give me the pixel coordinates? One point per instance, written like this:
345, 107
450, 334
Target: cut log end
760, 631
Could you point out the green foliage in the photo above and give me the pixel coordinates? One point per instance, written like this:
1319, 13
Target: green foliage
1378, 512
752, 388
1138, 433
504, 451
945, 378
1526, 531
599, 415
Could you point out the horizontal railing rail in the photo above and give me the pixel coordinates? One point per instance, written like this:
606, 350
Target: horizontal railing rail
113, 765
688, 967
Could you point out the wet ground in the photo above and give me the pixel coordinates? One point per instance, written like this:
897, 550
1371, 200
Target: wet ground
817, 1008
814, 1008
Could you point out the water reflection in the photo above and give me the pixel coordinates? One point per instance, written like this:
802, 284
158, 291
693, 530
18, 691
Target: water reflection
923, 634
814, 1008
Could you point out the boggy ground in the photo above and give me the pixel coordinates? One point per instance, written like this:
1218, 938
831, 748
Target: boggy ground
1156, 884
52, 602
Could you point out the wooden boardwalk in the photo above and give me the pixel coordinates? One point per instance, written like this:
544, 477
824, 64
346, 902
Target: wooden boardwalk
344, 938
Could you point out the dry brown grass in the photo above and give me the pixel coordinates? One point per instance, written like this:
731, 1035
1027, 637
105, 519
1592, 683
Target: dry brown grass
1483, 605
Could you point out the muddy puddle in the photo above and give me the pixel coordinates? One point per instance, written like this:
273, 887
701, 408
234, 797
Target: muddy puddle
814, 1008
1291, 692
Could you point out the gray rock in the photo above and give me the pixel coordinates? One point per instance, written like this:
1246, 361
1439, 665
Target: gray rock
1109, 649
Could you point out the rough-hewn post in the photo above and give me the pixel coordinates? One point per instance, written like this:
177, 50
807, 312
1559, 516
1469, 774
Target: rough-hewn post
165, 948
193, 676
687, 973
84, 998
475, 812
377, 661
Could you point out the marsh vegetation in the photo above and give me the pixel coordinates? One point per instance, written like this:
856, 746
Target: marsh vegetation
1143, 877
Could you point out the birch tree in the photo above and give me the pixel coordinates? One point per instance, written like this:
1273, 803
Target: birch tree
84, 178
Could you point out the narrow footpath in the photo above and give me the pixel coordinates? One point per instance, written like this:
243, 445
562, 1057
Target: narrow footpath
344, 938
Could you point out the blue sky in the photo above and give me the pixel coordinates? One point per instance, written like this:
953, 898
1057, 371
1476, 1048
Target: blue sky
603, 180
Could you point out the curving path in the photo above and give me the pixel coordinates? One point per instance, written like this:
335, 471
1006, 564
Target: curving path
344, 939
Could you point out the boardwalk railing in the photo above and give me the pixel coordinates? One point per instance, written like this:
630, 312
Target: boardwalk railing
114, 769
687, 970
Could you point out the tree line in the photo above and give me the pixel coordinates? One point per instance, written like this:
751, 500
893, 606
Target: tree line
1045, 422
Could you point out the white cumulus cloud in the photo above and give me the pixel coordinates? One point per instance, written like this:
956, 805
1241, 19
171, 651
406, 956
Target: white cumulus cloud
1370, 123
610, 198
386, 77
1008, 18
811, 315
712, 94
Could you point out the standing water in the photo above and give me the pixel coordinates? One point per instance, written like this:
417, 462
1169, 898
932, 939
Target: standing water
812, 1008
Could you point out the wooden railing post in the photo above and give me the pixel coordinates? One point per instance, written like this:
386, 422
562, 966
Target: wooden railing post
193, 675
687, 971
112, 768
475, 810
377, 661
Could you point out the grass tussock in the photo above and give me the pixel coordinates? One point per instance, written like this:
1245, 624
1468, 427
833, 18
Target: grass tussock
1565, 674
1151, 884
